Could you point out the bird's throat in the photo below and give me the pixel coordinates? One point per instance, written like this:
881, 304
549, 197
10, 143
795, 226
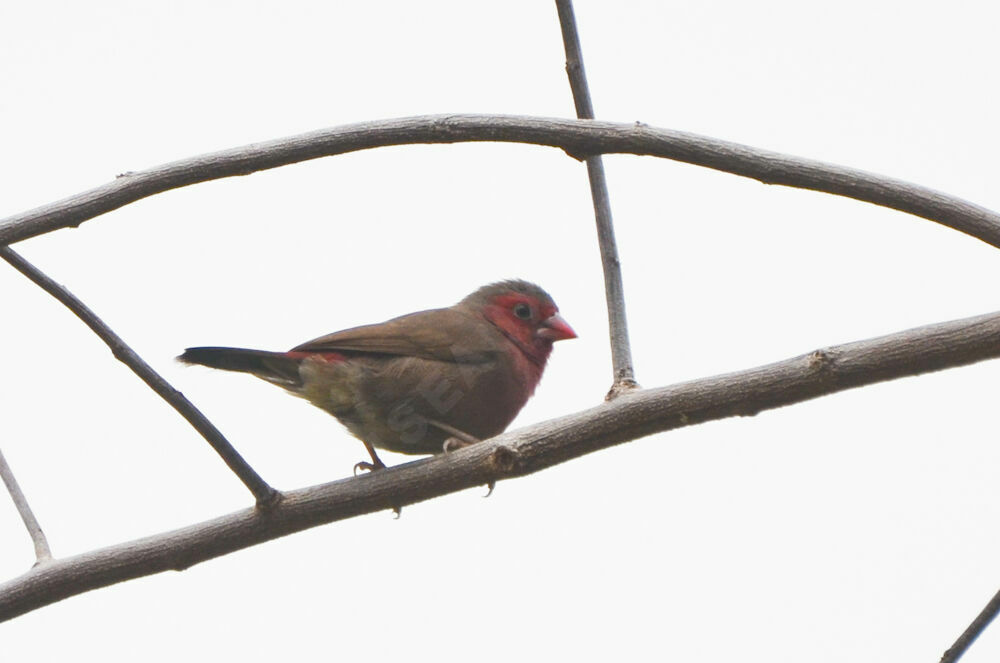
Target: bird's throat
536, 356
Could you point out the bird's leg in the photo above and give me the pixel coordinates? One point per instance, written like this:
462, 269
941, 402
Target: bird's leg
458, 440
376, 463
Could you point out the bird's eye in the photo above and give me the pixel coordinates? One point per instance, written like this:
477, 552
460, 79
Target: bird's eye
522, 311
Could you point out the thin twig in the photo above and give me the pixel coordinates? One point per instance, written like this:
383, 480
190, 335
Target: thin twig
975, 629
42, 552
262, 492
517, 453
577, 137
614, 291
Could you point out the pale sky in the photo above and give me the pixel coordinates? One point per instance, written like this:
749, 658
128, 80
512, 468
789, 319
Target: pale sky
858, 527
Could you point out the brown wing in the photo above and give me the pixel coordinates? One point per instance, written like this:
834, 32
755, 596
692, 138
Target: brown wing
442, 334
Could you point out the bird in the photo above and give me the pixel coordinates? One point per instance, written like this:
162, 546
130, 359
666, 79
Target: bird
421, 383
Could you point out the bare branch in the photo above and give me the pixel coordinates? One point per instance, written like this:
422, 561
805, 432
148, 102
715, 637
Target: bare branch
262, 492
517, 453
578, 137
42, 552
975, 629
614, 291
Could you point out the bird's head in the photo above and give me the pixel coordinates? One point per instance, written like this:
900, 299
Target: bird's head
525, 314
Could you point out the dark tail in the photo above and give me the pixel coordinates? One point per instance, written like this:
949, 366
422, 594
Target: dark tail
275, 367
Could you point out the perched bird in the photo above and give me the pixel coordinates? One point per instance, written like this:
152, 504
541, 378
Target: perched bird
422, 382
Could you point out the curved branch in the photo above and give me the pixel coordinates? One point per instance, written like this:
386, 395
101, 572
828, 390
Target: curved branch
577, 137
630, 416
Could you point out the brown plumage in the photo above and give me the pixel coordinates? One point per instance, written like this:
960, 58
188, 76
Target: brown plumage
415, 382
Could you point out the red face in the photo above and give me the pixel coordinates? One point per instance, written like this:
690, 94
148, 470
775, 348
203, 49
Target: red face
531, 324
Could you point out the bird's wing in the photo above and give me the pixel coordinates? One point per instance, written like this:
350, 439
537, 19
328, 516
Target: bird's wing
443, 334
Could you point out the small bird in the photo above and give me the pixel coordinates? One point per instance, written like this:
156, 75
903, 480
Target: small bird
424, 382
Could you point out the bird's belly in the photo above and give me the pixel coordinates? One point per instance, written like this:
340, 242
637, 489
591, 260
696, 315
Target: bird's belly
394, 403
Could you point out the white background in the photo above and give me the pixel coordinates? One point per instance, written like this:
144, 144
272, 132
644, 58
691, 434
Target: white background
858, 527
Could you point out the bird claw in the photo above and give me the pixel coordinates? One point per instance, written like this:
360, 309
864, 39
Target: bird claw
454, 444
491, 485
458, 439
366, 466
374, 467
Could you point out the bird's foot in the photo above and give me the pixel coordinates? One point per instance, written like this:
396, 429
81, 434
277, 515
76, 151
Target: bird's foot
460, 442
374, 467
376, 463
368, 467
458, 438
454, 444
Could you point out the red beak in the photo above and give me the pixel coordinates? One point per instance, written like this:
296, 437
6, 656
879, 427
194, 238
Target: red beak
554, 328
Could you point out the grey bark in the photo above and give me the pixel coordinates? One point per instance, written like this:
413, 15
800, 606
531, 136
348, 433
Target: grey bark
580, 138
